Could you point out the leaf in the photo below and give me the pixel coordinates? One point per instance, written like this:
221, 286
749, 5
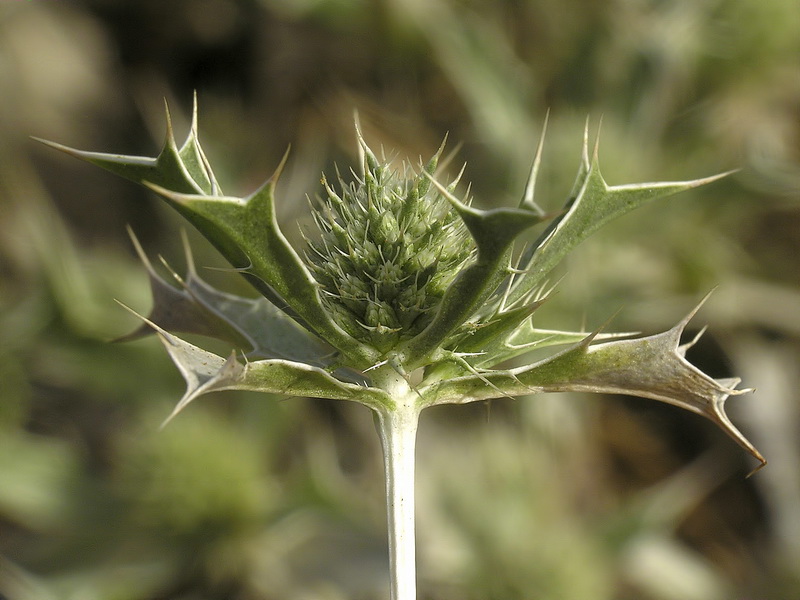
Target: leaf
206, 372
244, 230
595, 204
526, 338
487, 336
183, 169
470, 358
176, 309
494, 232
652, 367
254, 324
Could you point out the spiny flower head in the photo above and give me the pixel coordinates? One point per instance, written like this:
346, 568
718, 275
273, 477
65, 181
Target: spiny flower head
390, 244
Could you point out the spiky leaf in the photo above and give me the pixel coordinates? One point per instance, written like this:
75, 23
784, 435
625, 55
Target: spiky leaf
650, 367
592, 204
183, 169
494, 232
206, 372
251, 324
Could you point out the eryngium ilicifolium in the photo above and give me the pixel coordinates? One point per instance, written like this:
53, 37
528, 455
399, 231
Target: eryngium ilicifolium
390, 245
409, 296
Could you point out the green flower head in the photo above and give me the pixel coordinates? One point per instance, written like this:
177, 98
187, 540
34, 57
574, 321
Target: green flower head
390, 244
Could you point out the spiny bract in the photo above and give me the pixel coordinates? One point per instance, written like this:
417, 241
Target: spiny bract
390, 246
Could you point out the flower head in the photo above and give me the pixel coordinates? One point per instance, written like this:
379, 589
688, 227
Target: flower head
390, 244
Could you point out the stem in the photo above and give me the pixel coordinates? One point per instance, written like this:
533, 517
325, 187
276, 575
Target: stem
398, 432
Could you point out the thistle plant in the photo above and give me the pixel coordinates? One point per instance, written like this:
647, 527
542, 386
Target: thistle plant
406, 297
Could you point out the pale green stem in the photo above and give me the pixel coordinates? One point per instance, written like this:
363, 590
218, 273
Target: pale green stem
398, 432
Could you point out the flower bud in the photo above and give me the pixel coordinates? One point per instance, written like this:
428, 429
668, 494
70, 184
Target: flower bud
388, 247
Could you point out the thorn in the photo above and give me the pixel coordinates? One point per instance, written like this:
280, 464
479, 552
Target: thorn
530, 185
376, 366
194, 128
460, 361
711, 178
685, 321
167, 421
169, 141
439, 152
451, 156
585, 151
464, 354
596, 150
758, 468
684, 347
191, 271
445, 191
273, 180
452, 185
137, 246
172, 272
585, 342
55, 145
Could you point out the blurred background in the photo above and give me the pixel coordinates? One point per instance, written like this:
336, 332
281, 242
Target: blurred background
247, 497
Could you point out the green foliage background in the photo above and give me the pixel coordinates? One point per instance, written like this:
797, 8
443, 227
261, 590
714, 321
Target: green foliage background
245, 497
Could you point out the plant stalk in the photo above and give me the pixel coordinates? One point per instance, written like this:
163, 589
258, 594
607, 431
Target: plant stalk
398, 432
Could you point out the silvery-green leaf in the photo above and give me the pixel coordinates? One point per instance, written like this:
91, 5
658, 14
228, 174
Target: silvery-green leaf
494, 232
527, 338
177, 309
252, 324
651, 367
595, 204
487, 337
244, 230
183, 169
206, 372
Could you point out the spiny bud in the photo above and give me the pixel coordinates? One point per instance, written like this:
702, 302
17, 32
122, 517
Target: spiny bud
389, 246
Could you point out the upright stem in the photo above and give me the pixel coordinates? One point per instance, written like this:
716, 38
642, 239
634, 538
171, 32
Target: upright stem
398, 431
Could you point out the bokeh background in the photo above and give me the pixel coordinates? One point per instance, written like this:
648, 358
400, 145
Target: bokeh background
245, 497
